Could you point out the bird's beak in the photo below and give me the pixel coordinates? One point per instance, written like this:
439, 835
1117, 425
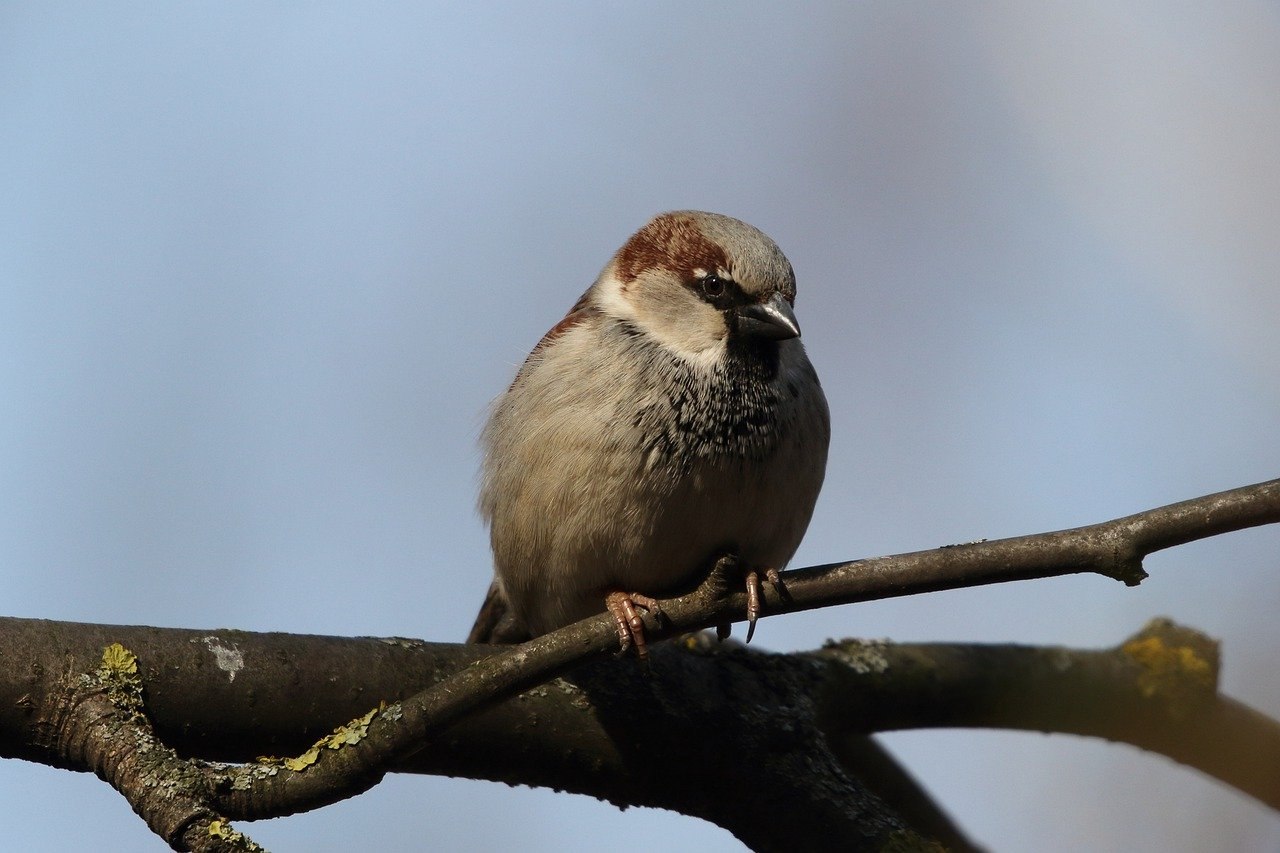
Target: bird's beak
773, 319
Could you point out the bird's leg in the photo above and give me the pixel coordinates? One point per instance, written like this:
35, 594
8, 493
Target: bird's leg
754, 589
630, 626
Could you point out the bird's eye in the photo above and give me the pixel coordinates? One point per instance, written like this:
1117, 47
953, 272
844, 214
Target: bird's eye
713, 286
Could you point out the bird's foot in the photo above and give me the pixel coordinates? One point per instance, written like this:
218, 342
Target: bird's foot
719, 582
717, 586
630, 626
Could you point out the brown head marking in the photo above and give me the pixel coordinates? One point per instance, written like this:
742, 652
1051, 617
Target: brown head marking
671, 241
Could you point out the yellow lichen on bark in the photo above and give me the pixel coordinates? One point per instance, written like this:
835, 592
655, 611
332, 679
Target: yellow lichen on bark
1169, 670
352, 732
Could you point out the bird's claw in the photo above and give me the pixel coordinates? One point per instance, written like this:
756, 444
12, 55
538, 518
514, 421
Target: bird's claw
629, 624
754, 590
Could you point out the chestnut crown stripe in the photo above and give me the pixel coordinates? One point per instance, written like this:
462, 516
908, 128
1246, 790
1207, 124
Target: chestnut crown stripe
672, 241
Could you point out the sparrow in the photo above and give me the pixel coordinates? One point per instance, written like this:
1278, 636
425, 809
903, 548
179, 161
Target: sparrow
671, 418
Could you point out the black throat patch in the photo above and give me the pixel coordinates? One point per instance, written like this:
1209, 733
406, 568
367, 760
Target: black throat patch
731, 413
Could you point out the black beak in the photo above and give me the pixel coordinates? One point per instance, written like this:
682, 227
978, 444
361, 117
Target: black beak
773, 319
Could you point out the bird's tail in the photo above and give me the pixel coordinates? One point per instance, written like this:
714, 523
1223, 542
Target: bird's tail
496, 623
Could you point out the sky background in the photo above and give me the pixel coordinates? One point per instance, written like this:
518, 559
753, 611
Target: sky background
263, 266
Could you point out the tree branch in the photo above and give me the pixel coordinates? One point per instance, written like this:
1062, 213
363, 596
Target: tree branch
1113, 548
662, 740
1157, 691
362, 754
611, 730
99, 723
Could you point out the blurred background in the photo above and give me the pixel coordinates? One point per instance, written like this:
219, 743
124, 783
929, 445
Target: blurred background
262, 267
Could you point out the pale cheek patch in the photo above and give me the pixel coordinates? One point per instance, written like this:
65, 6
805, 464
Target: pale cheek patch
694, 332
613, 300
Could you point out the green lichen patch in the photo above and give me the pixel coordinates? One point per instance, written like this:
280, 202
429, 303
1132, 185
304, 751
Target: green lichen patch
223, 831
351, 733
118, 673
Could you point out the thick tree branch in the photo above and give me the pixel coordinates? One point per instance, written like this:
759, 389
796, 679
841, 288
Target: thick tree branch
391, 737
99, 723
615, 733
1157, 691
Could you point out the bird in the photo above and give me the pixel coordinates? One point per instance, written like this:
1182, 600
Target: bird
671, 418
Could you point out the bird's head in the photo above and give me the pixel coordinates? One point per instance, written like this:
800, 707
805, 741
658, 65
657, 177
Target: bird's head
700, 283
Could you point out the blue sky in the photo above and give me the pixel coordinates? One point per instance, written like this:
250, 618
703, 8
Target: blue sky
262, 267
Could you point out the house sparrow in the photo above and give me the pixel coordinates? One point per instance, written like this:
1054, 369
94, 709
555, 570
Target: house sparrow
670, 418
